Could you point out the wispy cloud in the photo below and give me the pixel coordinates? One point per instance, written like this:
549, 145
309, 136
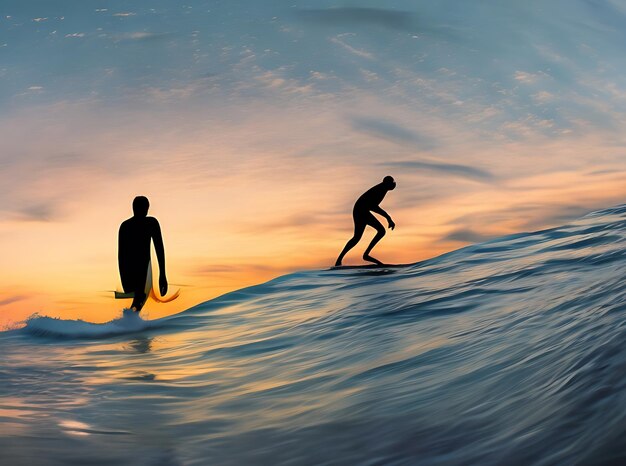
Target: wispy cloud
527, 216
140, 36
299, 223
550, 215
527, 78
215, 269
41, 212
393, 132
353, 50
608, 171
466, 235
462, 171
381, 17
12, 299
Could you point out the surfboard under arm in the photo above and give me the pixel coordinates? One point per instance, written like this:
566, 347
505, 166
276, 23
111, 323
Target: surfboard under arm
149, 290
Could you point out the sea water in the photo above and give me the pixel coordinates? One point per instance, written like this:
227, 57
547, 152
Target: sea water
507, 352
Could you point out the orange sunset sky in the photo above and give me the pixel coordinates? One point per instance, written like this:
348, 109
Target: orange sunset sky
253, 128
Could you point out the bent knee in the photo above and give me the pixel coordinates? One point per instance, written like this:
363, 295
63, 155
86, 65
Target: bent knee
357, 235
353, 241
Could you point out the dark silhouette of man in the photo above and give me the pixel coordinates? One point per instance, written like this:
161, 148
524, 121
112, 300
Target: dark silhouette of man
362, 214
133, 254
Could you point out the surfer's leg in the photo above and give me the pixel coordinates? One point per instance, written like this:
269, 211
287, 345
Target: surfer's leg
139, 300
142, 284
140, 289
359, 228
139, 284
380, 232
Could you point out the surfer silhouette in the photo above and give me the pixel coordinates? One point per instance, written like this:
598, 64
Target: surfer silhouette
133, 254
362, 215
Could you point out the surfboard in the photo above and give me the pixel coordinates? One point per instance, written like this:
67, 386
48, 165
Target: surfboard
149, 290
163, 299
368, 266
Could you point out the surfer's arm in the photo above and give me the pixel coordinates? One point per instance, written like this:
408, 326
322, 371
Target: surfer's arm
378, 210
121, 247
157, 238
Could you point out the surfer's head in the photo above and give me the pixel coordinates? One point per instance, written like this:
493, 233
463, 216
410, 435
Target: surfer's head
141, 206
389, 182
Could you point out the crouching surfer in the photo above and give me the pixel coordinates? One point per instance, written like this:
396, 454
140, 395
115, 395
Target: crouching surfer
133, 255
362, 215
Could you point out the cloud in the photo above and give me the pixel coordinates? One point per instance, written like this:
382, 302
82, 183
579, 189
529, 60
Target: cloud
381, 17
297, 222
531, 216
237, 268
276, 80
352, 50
12, 299
465, 235
42, 212
556, 215
527, 78
390, 131
393, 132
543, 97
140, 36
462, 171
608, 171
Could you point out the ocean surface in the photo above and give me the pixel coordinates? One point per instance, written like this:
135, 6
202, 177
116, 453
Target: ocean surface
507, 352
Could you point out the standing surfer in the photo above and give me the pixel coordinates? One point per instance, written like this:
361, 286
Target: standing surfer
362, 215
133, 256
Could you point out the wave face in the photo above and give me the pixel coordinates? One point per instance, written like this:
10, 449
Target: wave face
506, 352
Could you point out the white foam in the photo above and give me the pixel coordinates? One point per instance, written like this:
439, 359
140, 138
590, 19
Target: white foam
129, 322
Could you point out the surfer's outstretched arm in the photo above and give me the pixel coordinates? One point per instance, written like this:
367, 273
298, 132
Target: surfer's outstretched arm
160, 253
380, 211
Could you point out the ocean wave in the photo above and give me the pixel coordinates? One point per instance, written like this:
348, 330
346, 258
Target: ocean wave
505, 352
128, 322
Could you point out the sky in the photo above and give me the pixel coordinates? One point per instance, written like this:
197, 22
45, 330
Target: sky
252, 127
